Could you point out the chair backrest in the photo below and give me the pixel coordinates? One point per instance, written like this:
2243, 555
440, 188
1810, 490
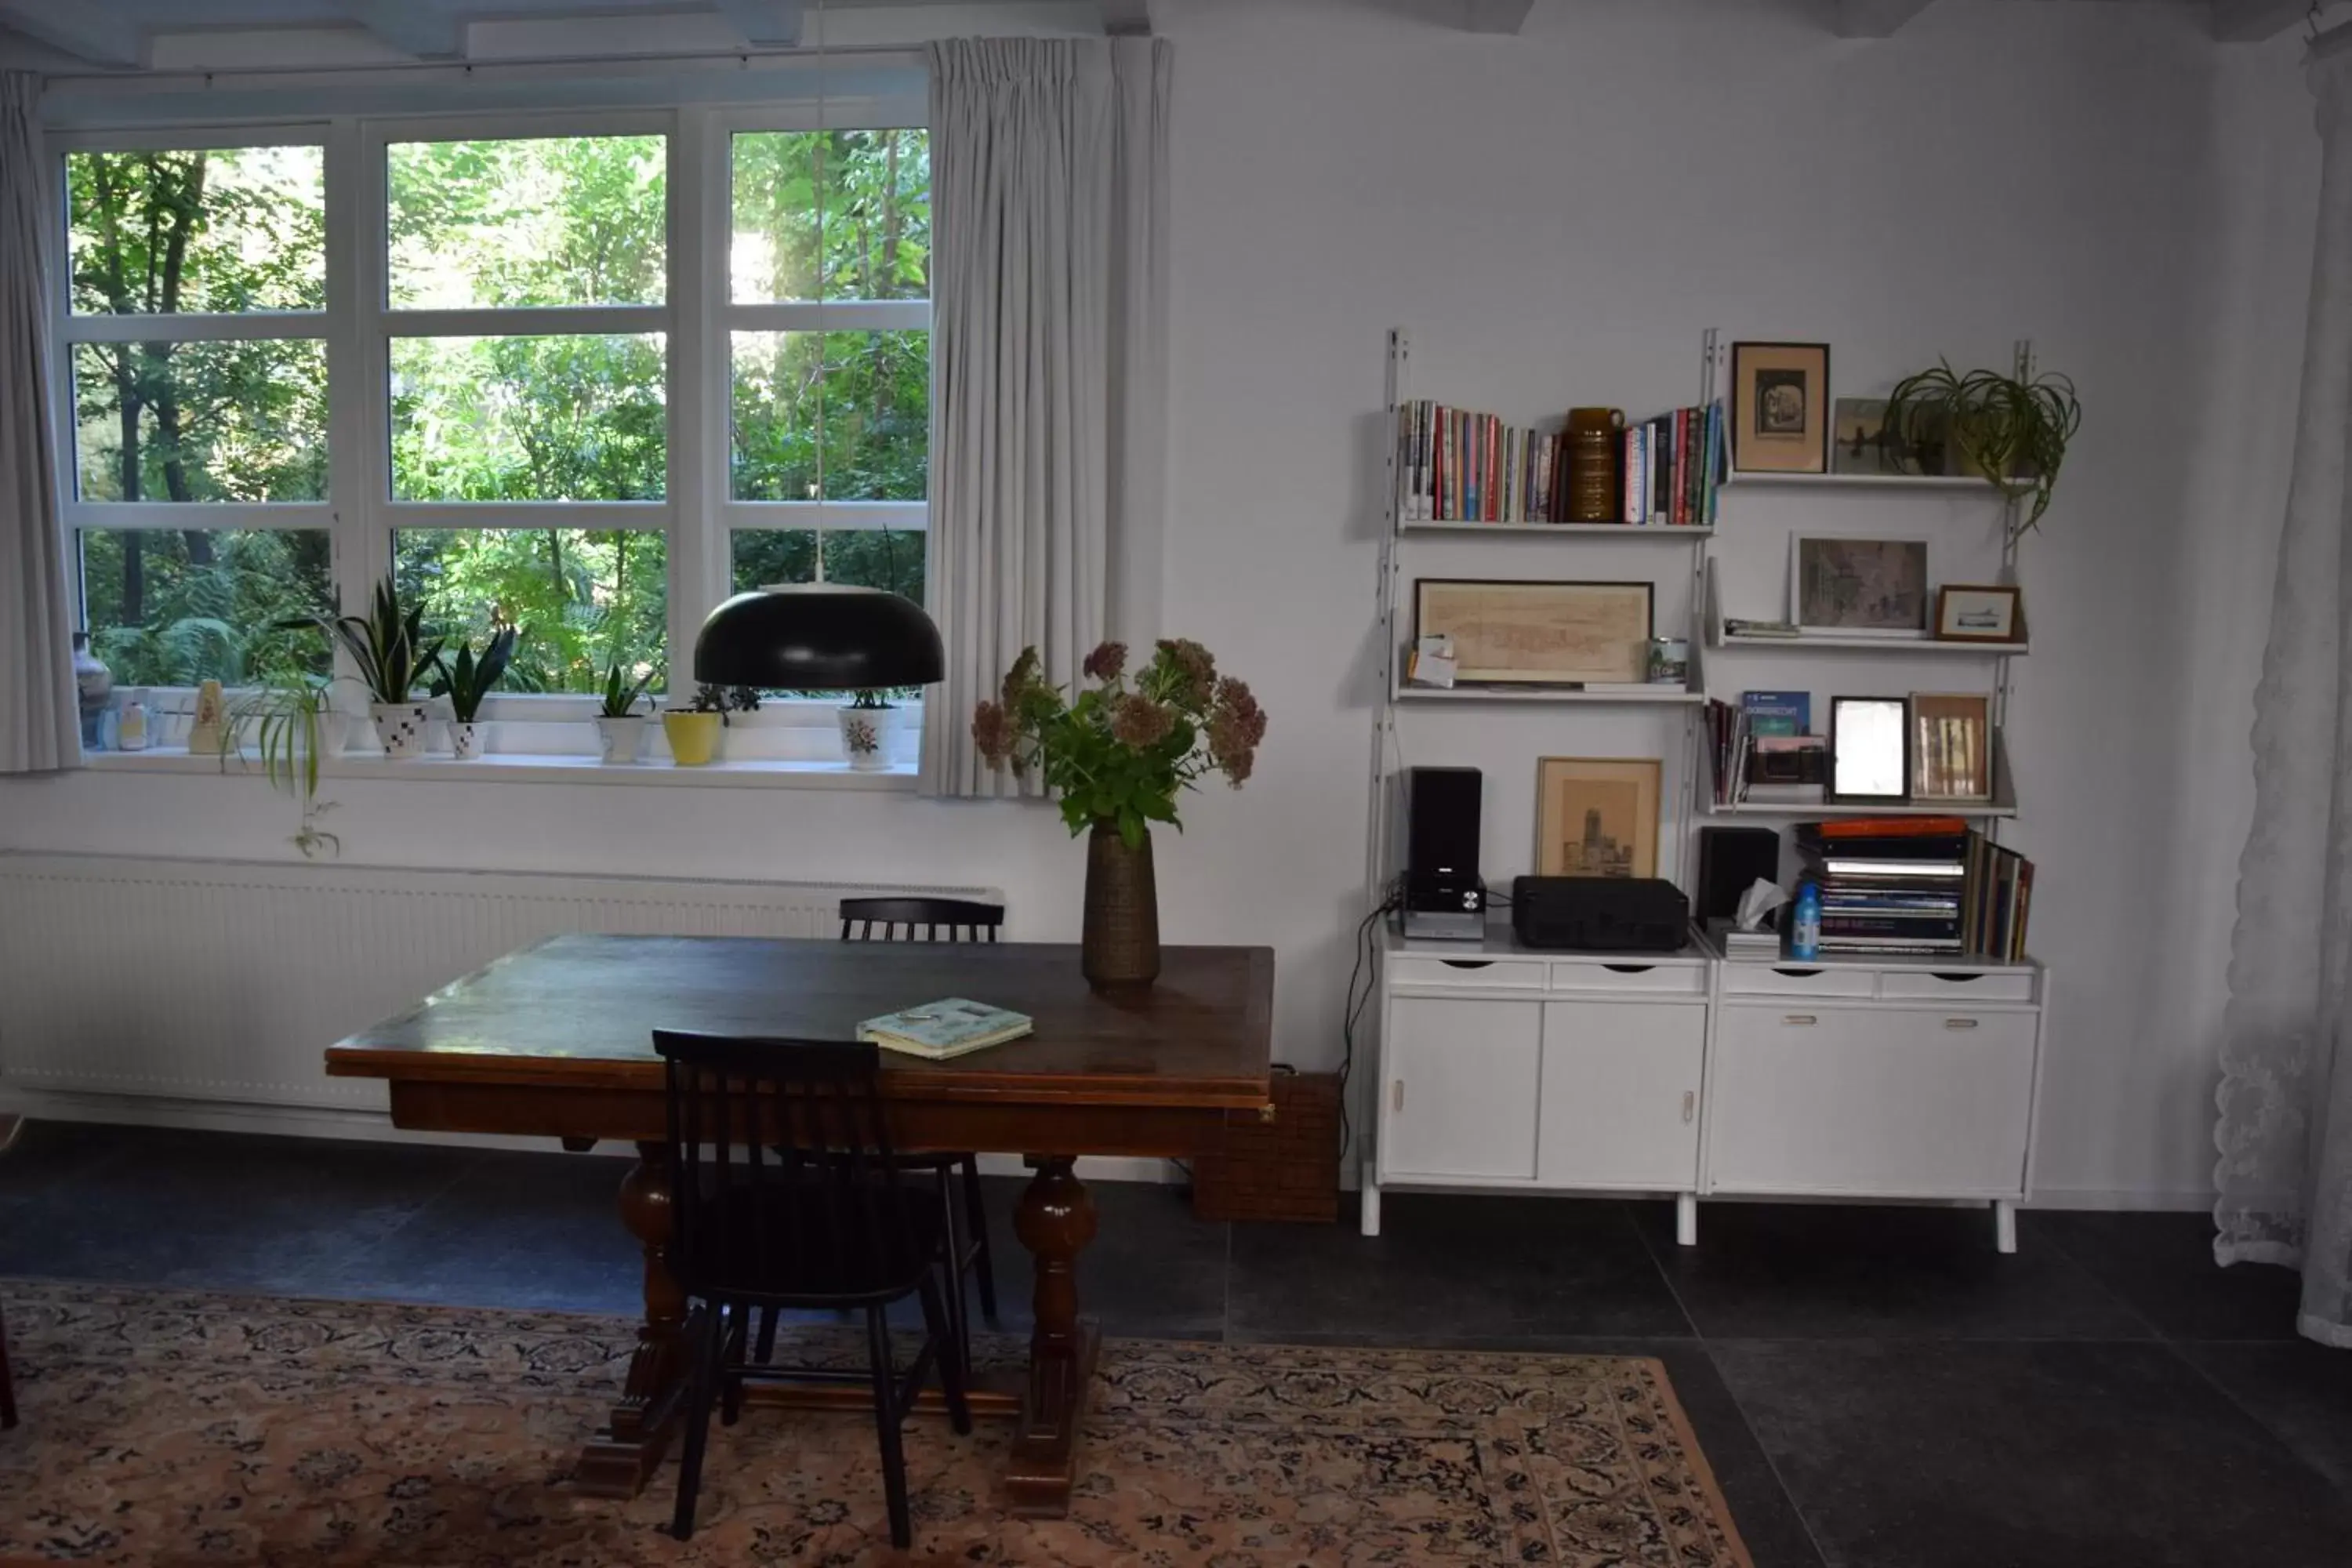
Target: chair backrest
782, 1167
923, 920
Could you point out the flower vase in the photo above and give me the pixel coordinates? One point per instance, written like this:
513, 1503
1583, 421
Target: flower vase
1120, 945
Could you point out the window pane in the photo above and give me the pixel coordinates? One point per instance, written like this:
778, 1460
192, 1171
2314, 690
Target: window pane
201, 422
877, 204
224, 229
172, 608
557, 419
868, 557
872, 395
583, 600
572, 220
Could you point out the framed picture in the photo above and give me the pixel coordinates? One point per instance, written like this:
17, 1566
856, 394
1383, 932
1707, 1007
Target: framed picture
1540, 634
1967, 611
1870, 739
1858, 587
1951, 745
1781, 408
1596, 817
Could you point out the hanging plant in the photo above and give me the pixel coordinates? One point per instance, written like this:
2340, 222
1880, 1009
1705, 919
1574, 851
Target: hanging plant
2013, 431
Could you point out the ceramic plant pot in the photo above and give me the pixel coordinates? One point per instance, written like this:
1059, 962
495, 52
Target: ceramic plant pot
866, 737
693, 737
623, 740
400, 727
468, 738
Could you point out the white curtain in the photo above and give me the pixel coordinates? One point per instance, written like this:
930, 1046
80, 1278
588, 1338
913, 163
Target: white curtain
2285, 1126
38, 726
1049, 363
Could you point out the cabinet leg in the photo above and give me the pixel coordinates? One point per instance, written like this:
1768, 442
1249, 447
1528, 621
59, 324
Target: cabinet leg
1369, 1191
2004, 1226
1685, 1220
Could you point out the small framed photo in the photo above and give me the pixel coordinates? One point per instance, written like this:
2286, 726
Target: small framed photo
1869, 748
1596, 817
1669, 661
1951, 745
1967, 611
1781, 413
1858, 587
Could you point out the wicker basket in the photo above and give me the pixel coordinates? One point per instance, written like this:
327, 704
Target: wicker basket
1287, 1169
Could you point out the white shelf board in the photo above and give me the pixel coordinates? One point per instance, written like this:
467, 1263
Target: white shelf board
1652, 531
1826, 810
1962, 482
1661, 696
1815, 642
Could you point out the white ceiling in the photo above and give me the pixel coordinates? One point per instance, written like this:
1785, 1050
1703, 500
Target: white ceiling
161, 34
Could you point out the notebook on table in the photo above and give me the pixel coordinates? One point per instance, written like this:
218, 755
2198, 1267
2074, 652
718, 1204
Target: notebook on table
953, 1027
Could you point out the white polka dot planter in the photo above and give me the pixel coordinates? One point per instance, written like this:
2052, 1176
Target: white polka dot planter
399, 727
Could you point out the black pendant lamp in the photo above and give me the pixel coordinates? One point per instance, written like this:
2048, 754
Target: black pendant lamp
819, 636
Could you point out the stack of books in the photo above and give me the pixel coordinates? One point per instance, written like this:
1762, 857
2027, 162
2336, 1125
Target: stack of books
1999, 897
1673, 465
1763, 751
1889, 885
1458, 465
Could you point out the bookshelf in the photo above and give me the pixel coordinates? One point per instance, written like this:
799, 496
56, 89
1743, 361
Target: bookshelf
1620, 532
1655, 696
1961, 483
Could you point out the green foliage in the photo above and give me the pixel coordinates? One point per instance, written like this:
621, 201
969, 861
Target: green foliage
590, 599
2014, 432
882, 558
173, 608
469, 680
620, 698
387, 644
289, 718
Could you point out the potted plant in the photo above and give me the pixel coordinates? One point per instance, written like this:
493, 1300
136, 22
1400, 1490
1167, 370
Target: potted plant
392, 655
467, 680
867, 722
694, 729
2012, 430
620, 728
290, 717
1117, 753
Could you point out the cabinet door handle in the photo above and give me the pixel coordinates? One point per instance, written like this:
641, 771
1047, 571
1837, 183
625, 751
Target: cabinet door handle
1801, 1020
1396, 1095
1690, 1105
1959, 1023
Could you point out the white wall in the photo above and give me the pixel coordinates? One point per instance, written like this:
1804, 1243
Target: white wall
1556, 217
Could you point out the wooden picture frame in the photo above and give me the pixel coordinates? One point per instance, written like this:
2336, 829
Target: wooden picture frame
1539, 633
1979, 612
1870, 748
1847, 585
1951, 746
1596, 817
1780, 412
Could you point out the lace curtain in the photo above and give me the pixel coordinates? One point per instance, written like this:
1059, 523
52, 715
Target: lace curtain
2285, 1128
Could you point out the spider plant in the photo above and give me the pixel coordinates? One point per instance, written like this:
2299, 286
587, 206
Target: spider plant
288, 719
389, 647
2015, 431
467, 679
620, 697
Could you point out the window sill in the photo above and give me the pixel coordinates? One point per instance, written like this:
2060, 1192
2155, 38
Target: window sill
750, 772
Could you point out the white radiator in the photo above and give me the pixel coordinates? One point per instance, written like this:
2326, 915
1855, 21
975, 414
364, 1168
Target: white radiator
210, 980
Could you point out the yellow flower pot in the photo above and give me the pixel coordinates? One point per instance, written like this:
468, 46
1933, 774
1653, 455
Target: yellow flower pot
693, 737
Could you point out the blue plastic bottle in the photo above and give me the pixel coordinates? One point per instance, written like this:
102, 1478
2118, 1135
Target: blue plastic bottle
1805, 941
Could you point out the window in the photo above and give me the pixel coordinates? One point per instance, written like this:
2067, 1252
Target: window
583, 374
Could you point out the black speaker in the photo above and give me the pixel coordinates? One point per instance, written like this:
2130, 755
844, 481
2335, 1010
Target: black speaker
1440, 825
1730, 862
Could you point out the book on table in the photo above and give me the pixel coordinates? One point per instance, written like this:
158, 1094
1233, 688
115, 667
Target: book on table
953, 1027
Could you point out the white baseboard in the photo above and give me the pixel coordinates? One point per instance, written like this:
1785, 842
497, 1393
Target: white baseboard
376, 1126
2150, 1200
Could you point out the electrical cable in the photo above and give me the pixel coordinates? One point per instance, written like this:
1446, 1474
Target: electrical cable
1352, 1014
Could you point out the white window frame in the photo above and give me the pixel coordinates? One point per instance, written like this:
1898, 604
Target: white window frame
697, 319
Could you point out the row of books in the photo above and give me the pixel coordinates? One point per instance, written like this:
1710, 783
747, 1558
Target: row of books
1764, 750
1916, 885
1459, 466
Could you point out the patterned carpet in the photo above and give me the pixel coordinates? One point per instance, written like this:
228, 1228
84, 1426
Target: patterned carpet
174, 1427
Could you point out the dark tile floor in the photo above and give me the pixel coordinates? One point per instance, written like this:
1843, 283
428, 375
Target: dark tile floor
1874, 1388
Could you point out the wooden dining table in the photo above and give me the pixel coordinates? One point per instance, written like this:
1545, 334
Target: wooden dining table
556, 1041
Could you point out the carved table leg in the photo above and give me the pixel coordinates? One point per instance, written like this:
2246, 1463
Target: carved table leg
617, 1460
1054, 1222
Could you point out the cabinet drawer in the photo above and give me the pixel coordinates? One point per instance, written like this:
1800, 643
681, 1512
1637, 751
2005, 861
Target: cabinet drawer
1468, 974
1798, 980
1957, 987
1627, 975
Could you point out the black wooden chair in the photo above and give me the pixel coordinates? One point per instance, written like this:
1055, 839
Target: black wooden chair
786, 1195
7, 1389
924, 920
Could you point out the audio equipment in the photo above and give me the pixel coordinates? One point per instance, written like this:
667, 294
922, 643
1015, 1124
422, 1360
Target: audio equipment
1443, 895
1601, 914
1730, 862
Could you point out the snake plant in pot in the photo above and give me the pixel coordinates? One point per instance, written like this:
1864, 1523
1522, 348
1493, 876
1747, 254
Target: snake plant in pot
466, 680
620, 728
389, 648
2012, 429
1119, 752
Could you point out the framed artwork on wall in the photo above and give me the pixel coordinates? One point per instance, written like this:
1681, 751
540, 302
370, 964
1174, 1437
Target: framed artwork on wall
1596, 817
1858, 587
1780, 414
1967, 611
1869, 739
1540, 634
1951, 745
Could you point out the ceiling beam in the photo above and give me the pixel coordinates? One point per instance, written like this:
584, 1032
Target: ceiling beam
410, 28
1876, 18
87, 31
1496, 16
2252, 21
772, 23
1127, 18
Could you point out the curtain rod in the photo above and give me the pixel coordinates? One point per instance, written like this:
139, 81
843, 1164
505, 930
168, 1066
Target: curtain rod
202, 76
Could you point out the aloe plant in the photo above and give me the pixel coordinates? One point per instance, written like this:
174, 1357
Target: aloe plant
620, 697
389, 647
467, 679
2015, 430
